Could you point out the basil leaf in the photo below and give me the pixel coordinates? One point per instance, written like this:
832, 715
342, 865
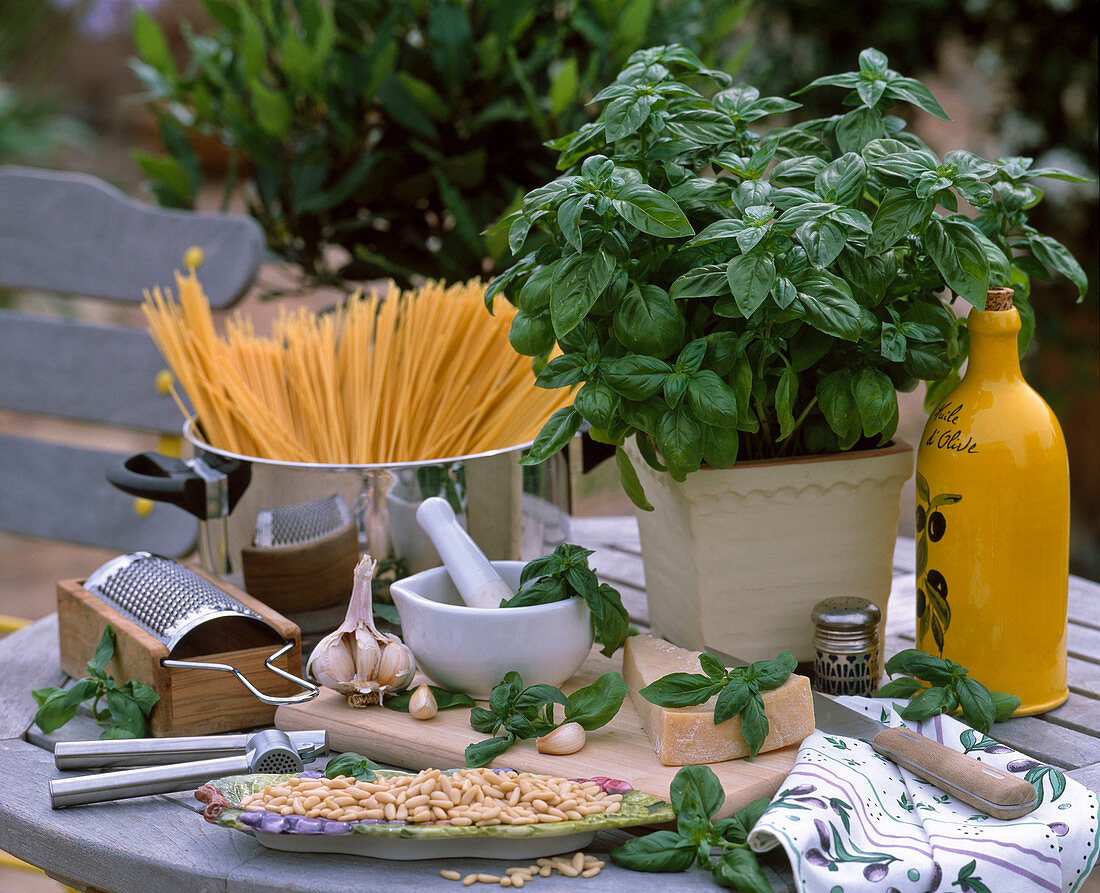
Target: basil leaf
696, 794
541, 592
661, 851
754, 724
651, 211
712, 666
732, 700
482, 753
828, 305
681, 690
561, 427
80, 691
596, 704
1057, 258
636, 377
530, 335
680, 439
104, 650
626, 114
648, 321
538, 695
720, 446
960, 258
561, 372
929, 703
902, 687
611, 618
898, 212
483, 720
352, 765
914, 662
786, 393
126, 713
736, 828
876, 401
578, 282
750, 277
702, 282
823, 240
739, 869
769, 674
628, 477
1004, 704
712, 400
52, 712
978, 708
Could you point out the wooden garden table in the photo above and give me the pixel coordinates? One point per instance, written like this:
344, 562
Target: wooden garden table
161, 843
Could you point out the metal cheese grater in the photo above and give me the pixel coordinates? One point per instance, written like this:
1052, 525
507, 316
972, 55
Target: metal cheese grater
169, 600
291, 525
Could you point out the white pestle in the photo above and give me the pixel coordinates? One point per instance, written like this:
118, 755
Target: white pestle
474, 576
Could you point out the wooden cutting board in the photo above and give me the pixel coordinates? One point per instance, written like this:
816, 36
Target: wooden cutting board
621, 749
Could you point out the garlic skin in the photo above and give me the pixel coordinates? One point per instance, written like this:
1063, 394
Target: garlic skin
356, 659
422, 704
567, 738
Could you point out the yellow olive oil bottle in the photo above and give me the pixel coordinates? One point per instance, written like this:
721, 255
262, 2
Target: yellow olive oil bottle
993, 522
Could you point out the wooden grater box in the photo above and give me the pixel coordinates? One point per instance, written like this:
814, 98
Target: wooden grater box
192, 702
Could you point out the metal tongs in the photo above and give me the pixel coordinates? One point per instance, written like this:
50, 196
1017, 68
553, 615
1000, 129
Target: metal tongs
176, 764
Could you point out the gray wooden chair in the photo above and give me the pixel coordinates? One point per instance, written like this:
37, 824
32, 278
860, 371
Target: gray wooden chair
71, 234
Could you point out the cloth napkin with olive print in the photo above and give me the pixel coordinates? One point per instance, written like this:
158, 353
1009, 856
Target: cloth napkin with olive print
851, 821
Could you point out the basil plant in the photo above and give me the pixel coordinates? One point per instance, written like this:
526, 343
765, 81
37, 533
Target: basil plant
722, 291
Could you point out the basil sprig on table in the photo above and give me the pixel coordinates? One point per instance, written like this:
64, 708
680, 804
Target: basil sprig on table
565, 574
127, 706
738, 690
696, 796
529, 712
352, 765
935, 685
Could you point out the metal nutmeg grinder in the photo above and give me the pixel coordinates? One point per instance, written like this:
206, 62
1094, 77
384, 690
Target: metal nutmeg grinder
846, 646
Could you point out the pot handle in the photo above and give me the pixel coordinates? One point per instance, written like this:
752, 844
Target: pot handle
311, 690
196, 486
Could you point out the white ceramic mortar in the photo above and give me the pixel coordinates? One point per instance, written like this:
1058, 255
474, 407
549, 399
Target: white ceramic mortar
470, 649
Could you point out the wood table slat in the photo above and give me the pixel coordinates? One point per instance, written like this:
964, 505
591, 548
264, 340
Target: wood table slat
31, 661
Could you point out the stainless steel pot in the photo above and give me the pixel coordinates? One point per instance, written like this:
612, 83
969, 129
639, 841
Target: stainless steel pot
512, 512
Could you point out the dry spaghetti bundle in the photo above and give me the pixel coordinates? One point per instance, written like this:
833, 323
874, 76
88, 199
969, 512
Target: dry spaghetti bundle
412, 375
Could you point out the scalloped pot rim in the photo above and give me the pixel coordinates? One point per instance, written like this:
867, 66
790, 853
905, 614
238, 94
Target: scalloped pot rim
897, 445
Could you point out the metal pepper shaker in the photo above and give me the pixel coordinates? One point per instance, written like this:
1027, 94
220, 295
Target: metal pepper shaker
846, 646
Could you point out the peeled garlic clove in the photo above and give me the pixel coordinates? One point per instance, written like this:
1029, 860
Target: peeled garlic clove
396, 668
567, 738
422, 704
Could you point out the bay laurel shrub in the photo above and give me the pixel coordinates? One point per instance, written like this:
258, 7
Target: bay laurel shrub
724, 292
378, 138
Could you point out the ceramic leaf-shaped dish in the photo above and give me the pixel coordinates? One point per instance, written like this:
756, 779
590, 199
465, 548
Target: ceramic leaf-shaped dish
401, 840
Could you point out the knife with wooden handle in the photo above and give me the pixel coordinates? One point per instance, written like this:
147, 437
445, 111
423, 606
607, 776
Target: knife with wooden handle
994, 791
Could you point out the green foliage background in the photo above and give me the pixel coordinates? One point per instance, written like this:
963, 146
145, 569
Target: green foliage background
377, 138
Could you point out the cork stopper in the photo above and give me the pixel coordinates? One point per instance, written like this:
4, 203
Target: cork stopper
998, 299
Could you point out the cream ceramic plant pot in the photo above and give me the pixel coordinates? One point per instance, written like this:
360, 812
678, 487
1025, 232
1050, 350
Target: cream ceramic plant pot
736, 558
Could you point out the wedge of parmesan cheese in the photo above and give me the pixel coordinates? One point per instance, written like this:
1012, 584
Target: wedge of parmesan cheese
684, 736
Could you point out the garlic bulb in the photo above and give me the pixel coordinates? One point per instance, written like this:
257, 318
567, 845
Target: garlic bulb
357, 659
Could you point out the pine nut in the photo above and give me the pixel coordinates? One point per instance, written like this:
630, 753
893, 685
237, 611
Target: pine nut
469, 879
450, 874
578, 861
488, 878
592, 872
